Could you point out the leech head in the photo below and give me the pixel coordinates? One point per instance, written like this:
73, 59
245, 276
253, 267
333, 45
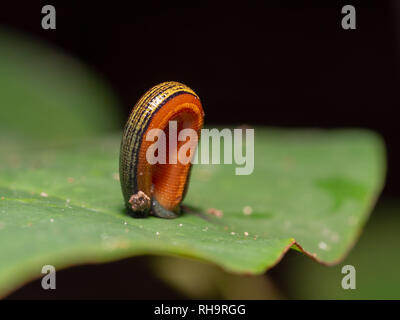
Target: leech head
140, 202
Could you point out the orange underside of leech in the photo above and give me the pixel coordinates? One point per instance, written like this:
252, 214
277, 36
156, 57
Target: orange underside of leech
169, 180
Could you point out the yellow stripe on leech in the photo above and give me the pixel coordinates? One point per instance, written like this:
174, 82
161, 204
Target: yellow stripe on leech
143, 108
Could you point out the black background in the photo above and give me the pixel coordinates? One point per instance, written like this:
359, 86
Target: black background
288, 65
278, 65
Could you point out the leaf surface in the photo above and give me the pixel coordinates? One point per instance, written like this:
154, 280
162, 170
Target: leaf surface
61, 204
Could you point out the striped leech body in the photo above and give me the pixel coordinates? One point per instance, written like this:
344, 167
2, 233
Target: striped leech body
157, 189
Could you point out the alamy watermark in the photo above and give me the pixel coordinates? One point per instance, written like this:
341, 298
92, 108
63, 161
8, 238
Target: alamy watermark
49, 280
174, 147
349, 20
49, 18
349, 280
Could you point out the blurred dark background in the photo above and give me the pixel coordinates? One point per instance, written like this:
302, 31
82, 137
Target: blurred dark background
288, 65
275, 65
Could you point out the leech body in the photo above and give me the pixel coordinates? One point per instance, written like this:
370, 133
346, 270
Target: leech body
157, 189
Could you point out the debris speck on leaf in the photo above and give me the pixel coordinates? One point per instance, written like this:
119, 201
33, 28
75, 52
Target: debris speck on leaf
322, 245
247, 210
215, 212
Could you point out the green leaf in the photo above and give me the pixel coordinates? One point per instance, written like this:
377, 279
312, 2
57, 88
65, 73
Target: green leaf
48, 95
61, 204
376, 259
